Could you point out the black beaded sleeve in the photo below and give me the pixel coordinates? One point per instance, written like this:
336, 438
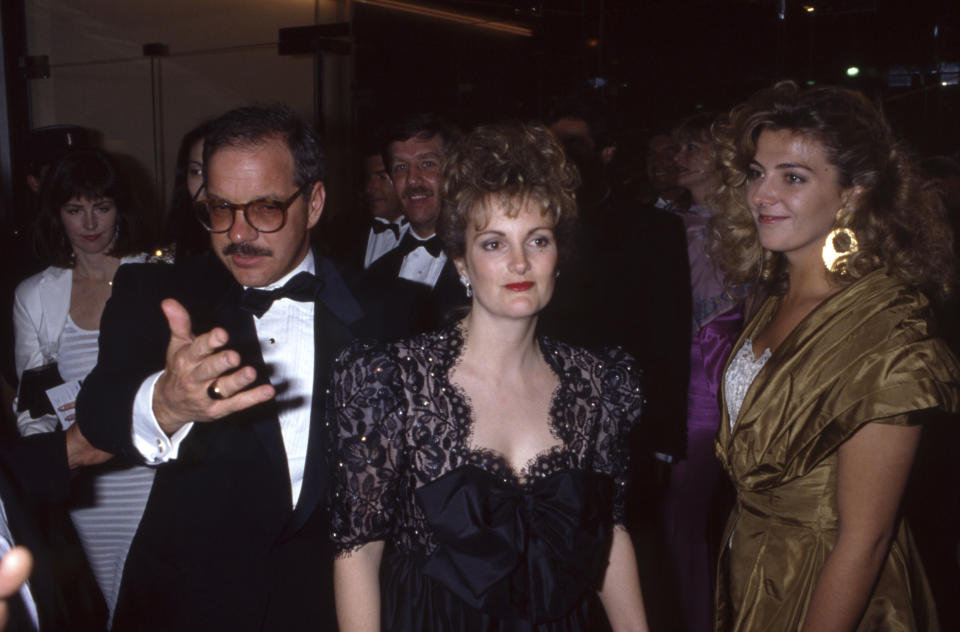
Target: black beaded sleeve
621, 392
365, 393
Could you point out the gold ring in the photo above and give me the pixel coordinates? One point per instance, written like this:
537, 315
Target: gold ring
213, 391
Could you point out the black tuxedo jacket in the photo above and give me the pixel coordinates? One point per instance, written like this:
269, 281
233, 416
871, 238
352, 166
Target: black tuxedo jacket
629, 285
414, 307
344, 239
34, 483
219, 546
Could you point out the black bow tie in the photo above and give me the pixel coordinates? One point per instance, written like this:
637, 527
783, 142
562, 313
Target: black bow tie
410, 243
302, 287
380, 227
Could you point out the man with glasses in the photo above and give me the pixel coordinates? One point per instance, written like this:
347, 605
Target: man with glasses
213, 371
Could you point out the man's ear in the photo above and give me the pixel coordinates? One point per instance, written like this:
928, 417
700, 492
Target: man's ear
315, 200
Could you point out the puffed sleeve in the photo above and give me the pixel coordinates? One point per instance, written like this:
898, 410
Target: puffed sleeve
622, 397
365, 412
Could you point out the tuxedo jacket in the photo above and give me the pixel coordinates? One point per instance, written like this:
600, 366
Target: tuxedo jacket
344, 238
413, 307
219, 546
628, 284
34, 483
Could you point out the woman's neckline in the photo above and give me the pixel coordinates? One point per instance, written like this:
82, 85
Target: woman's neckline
523, 474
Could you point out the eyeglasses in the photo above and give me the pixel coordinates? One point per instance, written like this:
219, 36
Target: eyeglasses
264, 215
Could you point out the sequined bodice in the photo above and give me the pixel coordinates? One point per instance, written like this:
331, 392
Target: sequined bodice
741, 372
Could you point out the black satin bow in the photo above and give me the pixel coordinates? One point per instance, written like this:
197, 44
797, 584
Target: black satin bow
381, 227
517, 552
302, 287
409, 243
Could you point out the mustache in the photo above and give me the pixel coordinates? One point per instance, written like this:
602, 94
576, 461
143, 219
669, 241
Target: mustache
246, 249
417, 191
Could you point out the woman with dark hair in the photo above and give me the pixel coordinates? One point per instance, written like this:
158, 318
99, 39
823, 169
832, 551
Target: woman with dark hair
828, 385
183, 230
87, 228
481, 470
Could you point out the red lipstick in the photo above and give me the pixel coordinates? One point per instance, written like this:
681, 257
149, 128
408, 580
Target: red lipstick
520, 287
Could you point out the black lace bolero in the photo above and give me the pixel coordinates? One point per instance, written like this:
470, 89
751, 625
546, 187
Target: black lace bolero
401, 424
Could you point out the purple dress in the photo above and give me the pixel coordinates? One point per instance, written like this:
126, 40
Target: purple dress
692, 545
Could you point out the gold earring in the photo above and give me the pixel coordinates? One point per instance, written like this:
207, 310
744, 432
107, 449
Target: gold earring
840, 243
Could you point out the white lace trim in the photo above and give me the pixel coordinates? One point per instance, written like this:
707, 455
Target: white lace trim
740, 374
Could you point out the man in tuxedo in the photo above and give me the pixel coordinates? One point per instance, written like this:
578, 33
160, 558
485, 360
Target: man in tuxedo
421, 279
214, 372
359, 238
387, 223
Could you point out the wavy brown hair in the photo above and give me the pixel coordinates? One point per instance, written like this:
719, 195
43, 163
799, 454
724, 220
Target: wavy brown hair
88, 174
899, 222
507, 164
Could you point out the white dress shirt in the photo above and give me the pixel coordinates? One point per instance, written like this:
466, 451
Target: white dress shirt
379, 244
422, 267
286, 334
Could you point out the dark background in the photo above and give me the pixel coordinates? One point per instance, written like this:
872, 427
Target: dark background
646, 63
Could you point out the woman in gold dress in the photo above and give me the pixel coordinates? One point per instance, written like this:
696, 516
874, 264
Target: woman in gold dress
826, 389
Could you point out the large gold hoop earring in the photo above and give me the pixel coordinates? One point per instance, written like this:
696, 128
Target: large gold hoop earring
840, 243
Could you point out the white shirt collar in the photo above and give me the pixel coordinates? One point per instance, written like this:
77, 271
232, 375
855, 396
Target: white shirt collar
307, 265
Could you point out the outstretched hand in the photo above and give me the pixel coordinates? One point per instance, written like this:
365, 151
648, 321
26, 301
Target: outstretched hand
194, 365
80, 452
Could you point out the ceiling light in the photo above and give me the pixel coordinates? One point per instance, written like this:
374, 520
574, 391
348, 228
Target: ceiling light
450, 16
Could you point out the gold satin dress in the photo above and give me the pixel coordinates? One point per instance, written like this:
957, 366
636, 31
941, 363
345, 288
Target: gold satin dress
863, 355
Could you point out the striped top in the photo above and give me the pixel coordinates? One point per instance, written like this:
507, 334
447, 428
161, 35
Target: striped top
107, 516
78, 351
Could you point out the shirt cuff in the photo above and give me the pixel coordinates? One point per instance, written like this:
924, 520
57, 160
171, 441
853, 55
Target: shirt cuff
666, 458
148, 438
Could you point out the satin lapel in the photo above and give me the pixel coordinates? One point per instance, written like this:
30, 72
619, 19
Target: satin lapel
330, 335
243, 338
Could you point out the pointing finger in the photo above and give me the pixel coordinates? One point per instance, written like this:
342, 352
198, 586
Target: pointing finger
178, 319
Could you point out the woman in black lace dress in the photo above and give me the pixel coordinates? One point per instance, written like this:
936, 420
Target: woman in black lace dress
481, 470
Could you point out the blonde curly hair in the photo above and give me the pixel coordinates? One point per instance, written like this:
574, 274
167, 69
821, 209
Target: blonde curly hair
900, 223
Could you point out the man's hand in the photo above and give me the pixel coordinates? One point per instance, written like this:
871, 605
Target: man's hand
15, 568
194, 365
79, 450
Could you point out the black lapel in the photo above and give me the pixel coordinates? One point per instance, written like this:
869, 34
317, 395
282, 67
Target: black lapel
334, 312
243, 338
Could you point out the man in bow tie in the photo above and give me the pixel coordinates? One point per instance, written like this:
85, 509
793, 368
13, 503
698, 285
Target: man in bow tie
214, 372
387, 222
414, 153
